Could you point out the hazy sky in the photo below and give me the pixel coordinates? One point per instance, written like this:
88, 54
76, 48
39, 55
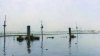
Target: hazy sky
55, 14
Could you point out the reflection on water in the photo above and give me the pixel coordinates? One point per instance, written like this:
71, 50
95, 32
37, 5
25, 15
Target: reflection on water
70, 41
69, 47
42, 48
28, 41
28, 46
88, 45
4, 44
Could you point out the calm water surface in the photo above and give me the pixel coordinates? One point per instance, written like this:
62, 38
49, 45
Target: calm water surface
85, 45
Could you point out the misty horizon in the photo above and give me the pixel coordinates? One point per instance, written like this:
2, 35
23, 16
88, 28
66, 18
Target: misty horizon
57, 15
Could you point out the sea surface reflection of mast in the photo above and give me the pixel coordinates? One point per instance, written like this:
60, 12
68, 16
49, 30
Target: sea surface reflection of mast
4, 35
70, 53
42, 39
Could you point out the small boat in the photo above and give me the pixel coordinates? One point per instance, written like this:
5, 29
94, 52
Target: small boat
50, 37
32, 38
72, 36
20, 38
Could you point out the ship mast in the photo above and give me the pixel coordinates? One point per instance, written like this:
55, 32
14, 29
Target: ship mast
4, 34
42, 39
42, 34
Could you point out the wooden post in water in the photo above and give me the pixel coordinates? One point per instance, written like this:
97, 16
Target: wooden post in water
70, 34
28, 32
28, 39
